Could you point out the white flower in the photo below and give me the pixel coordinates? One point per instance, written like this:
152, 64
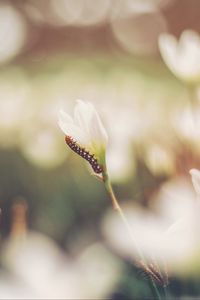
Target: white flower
196, 180
85, 134
182, 57
168, 232
35, 268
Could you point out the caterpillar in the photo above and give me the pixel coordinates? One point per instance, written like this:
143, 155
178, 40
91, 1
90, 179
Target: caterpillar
84, 153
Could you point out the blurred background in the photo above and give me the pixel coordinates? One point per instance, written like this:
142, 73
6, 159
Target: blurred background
59, 236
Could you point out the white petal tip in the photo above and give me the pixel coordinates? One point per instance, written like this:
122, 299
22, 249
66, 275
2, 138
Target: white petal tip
194, 172
195, 180
82, 103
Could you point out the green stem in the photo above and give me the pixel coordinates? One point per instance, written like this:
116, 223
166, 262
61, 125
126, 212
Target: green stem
154, 289
166, 293
117, 207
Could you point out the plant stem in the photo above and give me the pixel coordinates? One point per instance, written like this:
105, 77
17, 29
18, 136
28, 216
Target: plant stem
117, 207
167, 296
154, 289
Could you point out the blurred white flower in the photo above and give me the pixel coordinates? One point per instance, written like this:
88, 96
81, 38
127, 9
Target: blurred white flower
44, 148
120, 155
159, 159
196, 180
12, 32
168, 232
120, 161
85, 131
11, 288
186, 123
182, 57
40, 270
15, 106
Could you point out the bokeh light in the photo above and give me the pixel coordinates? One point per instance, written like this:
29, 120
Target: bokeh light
139, 33
12, 33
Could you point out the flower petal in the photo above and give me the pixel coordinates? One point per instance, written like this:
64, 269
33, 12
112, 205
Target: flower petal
88, 119
196, 180
82, 114
67, 125
189, 41
64, 117
86, 128
189, 53
97, 130
182, 57
168, 49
